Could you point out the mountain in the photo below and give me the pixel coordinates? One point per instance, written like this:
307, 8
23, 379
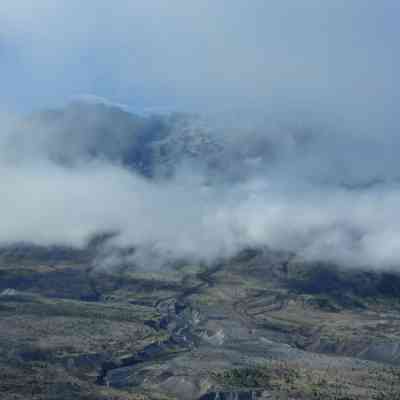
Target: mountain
150, 145
109, 320
156, 145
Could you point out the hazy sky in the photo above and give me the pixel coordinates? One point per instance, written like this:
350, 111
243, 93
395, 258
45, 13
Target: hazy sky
336, 60
209, 54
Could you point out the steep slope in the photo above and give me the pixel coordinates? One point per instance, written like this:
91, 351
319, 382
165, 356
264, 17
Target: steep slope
151, 145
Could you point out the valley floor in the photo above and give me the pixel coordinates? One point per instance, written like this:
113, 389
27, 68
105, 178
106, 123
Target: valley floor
259, 326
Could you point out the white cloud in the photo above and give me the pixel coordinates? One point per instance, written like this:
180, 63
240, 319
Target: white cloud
48, 204
338, 61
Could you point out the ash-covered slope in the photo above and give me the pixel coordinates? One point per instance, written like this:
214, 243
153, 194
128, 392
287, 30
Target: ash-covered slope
155, 145
148, 144
226, 146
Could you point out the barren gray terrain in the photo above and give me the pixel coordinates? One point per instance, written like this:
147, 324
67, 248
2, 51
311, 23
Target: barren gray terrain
260, 325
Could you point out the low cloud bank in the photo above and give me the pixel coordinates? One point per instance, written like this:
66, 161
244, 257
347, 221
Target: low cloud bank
189, 216
314, 170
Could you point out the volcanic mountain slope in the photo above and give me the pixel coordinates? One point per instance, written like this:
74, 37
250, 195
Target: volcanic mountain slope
153, 145
259, 325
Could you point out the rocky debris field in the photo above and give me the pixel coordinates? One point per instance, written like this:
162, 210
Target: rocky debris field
261, 325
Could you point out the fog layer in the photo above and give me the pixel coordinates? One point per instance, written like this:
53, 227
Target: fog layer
299, 190
297, 151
